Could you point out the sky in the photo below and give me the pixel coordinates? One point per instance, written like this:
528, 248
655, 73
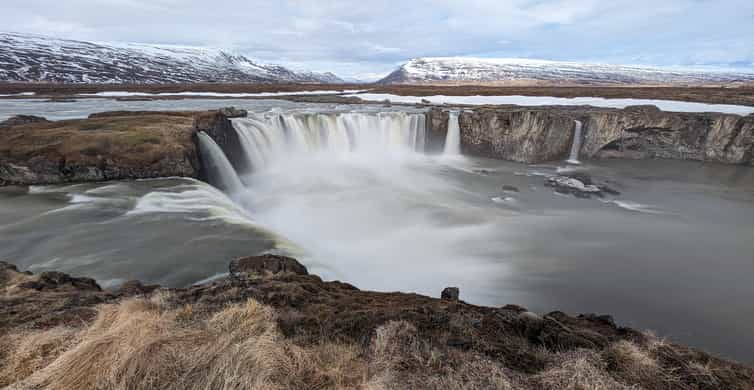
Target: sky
367, 39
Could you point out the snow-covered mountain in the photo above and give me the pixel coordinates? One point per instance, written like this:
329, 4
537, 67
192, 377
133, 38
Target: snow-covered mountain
26, 57
501, 70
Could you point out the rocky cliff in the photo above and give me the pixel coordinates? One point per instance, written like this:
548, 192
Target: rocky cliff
535, 134
111, 146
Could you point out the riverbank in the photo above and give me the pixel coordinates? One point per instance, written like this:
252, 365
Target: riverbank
742, 95
271, 324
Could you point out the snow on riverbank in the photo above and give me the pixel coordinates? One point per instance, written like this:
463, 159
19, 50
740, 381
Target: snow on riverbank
665, 105
220, 94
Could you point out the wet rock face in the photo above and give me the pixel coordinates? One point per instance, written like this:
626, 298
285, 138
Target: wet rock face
259, 266
437, 130
537, 134
218, 126
646, 132
515, 134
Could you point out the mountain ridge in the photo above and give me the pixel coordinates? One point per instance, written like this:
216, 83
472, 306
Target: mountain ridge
37, 58
511, 70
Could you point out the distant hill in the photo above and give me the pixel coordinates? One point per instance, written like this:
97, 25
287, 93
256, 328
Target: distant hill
506, 70
34, 58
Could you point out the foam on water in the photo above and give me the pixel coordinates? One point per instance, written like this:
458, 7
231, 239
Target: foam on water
317, 178
573, 158
197, 197
453, 138
634, 206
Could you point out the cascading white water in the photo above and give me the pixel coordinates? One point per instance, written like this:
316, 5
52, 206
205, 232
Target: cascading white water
573, 158
218, 167
453, 138
274, 136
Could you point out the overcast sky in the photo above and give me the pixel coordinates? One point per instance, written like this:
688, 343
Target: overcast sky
366, 39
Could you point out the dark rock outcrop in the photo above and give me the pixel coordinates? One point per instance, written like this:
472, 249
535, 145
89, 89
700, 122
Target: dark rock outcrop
569, 185
219, 127
437, 130
450, 293
268, 264
54, 280
21, 120
135, 287
232, 112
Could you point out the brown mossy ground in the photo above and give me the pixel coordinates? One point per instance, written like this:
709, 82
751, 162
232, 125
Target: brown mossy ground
105, 146
291, 330
132, 139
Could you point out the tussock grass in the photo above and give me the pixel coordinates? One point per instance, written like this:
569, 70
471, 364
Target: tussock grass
578, 370
151, 343
401, 359
142, 344
26, 352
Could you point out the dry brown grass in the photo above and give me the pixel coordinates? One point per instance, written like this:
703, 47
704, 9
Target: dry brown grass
24, 353
151, 343
142, 344
400, 359
635, 365
578, 370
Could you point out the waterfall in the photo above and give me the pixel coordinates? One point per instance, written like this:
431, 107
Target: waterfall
271, 136
453, 138
218, 168
576, 145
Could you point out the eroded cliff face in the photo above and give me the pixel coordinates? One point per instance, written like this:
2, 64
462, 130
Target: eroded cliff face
536, 134
646, 132
518, 135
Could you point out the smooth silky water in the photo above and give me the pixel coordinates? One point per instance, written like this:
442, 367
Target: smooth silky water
352, 197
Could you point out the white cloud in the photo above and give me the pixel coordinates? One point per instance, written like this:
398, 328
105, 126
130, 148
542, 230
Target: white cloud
370, 36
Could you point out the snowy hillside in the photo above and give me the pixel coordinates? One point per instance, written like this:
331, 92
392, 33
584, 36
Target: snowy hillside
38, 58
466, 69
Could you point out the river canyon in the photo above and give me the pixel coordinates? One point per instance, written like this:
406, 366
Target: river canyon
416, 199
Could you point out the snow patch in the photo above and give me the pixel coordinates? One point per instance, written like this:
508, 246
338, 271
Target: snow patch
222, 94
665, 105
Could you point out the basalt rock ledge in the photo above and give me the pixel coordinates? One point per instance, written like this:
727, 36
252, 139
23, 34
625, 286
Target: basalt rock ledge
537, 134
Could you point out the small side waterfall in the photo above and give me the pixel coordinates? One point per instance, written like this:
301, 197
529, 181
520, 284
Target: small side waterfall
453, 138
266, 137
573, 158
219, 169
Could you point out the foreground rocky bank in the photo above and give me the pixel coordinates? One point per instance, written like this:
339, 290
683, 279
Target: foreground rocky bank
270, 324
